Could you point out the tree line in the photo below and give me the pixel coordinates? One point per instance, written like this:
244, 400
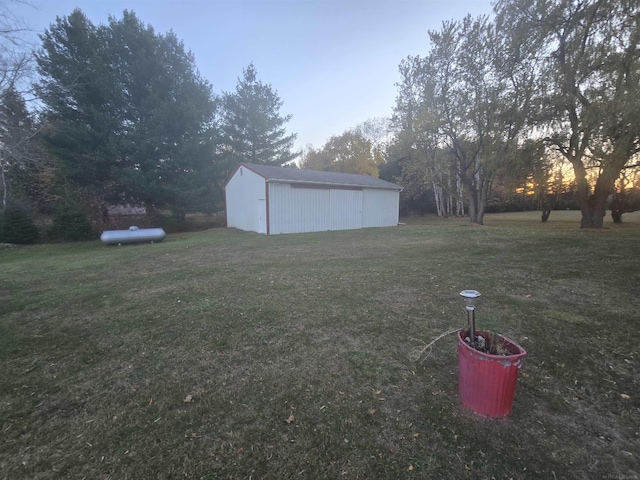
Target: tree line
124, 117
508, 98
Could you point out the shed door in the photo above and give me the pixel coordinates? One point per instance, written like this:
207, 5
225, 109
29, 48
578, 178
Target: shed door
262, 224
346, 209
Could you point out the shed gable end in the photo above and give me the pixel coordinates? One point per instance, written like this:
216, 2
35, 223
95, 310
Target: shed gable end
245, 196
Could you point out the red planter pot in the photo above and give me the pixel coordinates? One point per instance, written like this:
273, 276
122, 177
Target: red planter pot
487, 383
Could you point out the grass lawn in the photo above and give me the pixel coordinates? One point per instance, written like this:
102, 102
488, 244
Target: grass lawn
221, 354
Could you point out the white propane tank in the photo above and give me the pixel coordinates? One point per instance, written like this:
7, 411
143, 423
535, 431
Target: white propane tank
133, 235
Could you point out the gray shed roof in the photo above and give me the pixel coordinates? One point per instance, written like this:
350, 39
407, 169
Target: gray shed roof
315, 177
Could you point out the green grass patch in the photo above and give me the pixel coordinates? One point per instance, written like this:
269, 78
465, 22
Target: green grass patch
220, 354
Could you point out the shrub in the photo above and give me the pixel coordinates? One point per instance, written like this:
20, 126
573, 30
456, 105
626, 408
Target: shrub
17, 227
71, 226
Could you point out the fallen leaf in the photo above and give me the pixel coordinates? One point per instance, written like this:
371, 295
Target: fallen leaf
625, 396
372, 411
410, 468
188, 398
290, 419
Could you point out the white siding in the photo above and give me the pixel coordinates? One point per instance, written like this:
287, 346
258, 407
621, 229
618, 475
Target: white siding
346, 209
296, 210
246, 201
380, 208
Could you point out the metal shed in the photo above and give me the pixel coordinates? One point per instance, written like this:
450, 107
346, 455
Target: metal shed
272, 200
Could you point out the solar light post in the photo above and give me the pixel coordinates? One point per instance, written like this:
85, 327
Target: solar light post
471, 299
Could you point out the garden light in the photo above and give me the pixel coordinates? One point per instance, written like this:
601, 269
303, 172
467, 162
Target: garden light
471, 299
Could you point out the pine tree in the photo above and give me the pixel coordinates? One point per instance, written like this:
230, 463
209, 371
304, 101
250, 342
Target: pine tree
253, 129
17, 227
130, 114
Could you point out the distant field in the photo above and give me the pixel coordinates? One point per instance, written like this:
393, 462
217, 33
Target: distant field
568, 218
222, 354
571, 217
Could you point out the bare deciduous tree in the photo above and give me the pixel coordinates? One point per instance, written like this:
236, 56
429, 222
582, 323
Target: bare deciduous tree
17, 131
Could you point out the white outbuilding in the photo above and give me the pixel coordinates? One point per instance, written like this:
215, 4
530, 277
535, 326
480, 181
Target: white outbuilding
272, 200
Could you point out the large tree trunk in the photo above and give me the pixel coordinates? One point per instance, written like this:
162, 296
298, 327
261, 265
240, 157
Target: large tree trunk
593, 210
477, 194
473, 200
619, 207
592, 205
459, 197
616, 215
473, 210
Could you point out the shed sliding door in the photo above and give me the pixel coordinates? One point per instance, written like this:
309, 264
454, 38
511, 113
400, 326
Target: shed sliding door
345, 209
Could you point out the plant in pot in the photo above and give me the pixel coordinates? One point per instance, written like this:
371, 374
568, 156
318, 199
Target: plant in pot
488, 365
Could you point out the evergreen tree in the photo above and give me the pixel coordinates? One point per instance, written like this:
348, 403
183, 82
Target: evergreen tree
77, 89
17, 227
71, 225
130, 116
253, 129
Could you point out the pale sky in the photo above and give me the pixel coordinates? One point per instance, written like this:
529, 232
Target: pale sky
334, 63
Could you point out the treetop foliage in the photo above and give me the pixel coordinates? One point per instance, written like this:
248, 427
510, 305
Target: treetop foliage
252, 127
350, 152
